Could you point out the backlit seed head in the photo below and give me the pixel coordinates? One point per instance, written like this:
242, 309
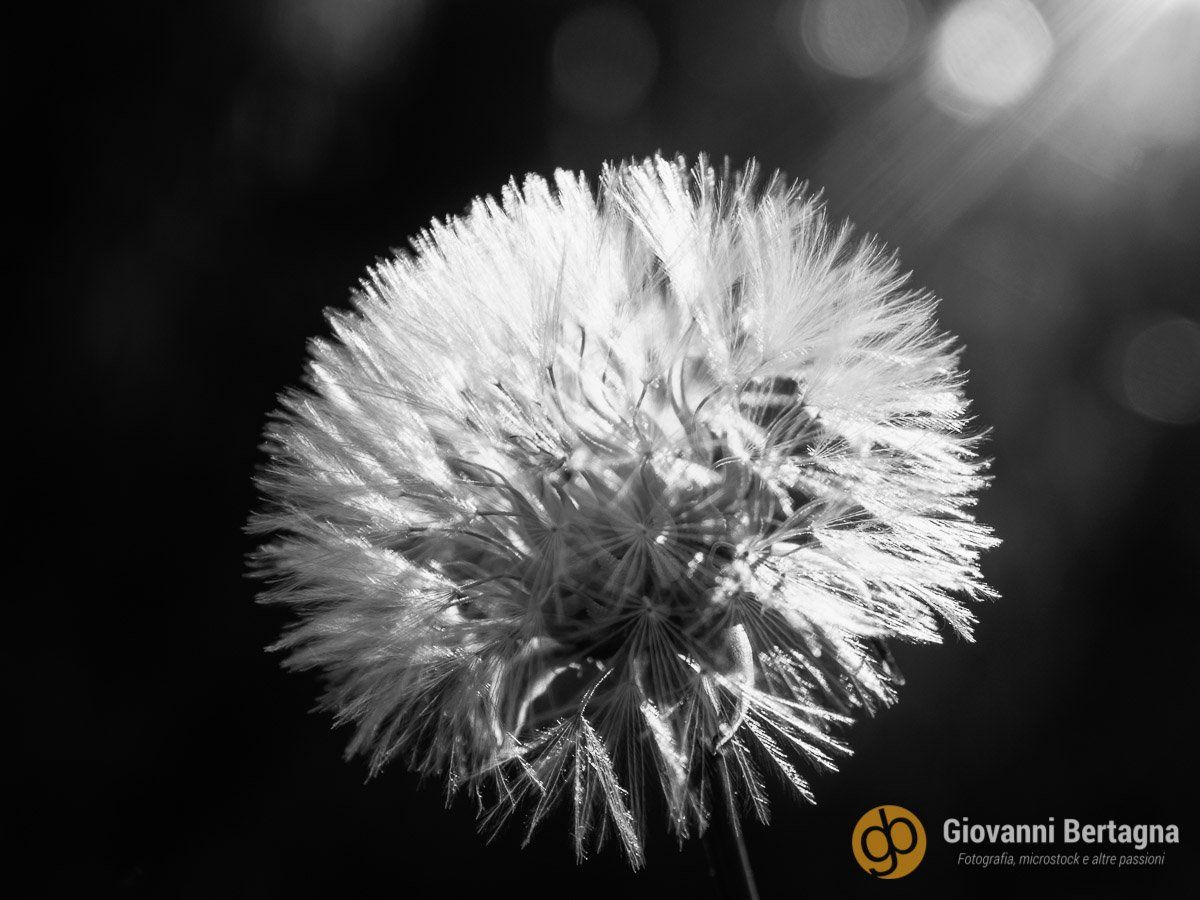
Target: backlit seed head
593, 492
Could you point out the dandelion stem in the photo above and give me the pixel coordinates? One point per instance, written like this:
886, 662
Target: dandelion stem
724, 840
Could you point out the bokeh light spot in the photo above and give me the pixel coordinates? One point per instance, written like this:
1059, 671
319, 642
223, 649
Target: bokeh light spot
857, 38
603, 61
346, 39
1161, 371
988, 54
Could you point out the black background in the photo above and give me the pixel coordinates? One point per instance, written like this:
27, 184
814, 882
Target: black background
206, 179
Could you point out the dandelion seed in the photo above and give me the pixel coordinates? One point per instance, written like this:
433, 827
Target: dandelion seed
617, 498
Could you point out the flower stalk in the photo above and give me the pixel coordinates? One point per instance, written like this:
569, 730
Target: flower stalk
725, 839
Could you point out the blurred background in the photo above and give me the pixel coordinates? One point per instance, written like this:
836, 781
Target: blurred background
201, 181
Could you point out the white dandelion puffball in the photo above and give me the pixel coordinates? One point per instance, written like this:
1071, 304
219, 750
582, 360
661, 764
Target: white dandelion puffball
619, 497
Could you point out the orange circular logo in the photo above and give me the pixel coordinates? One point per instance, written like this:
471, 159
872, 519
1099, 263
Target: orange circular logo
888, 842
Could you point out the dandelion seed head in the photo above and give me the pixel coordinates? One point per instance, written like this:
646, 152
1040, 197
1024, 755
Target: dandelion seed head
592, 487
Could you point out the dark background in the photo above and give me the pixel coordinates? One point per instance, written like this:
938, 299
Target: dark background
203, 180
